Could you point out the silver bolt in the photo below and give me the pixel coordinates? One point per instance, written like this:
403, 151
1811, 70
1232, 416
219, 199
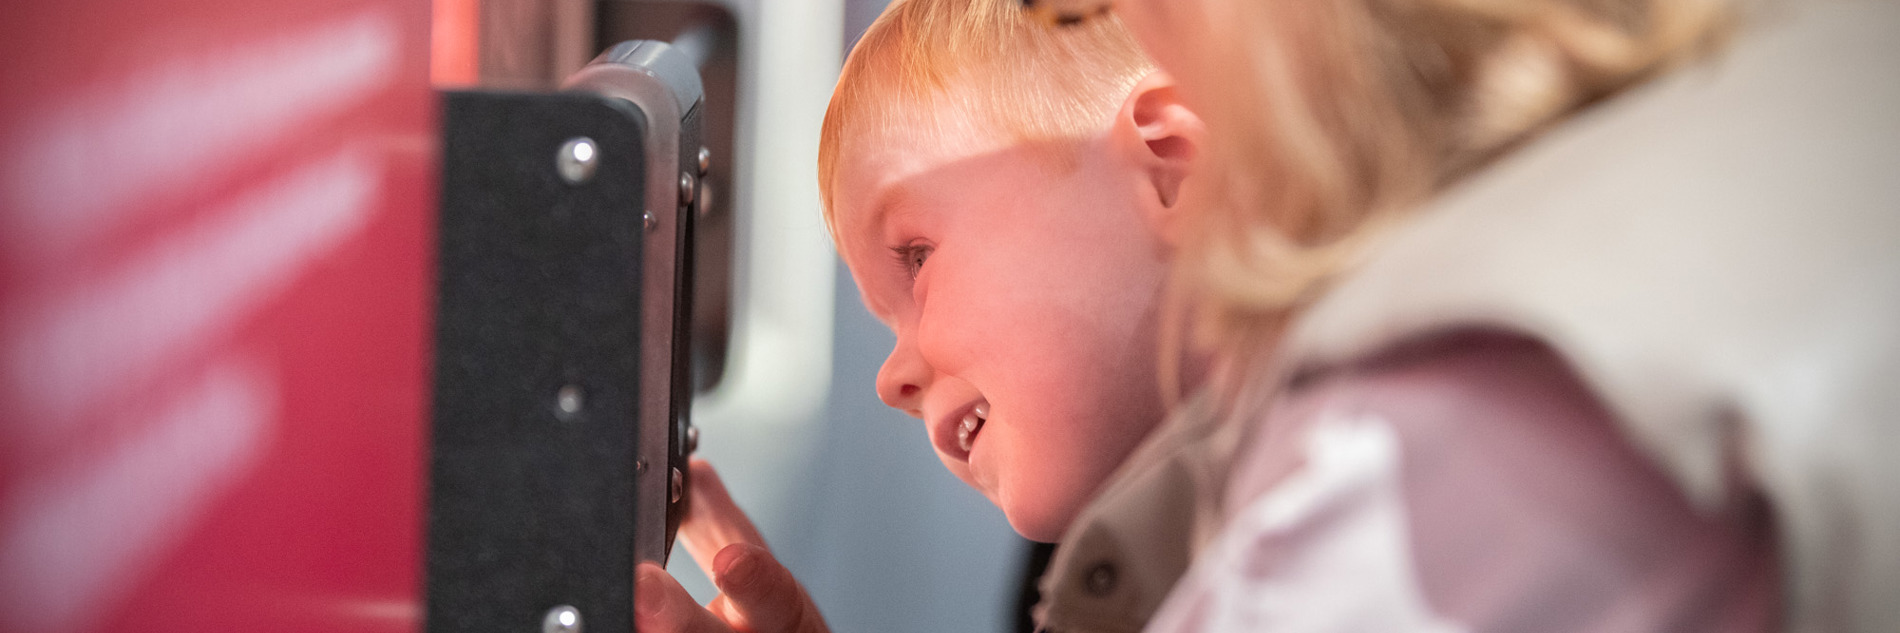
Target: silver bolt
639, 466
562, 619
692, 440
567, 402
577, 159
678, 485
688, 187
649, 220
705, 160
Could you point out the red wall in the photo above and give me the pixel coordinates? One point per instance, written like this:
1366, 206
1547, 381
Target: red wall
215, 250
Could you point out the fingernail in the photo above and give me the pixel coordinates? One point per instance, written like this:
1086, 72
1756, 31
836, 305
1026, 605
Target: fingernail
736, 567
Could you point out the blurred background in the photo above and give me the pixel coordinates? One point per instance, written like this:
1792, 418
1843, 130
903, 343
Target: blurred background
215, 296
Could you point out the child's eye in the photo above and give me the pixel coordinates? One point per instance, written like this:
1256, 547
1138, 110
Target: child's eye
912, 256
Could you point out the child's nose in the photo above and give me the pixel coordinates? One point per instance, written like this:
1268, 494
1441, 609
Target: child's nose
901, 381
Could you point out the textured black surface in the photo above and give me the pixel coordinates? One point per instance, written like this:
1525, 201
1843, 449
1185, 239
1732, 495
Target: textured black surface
539, 285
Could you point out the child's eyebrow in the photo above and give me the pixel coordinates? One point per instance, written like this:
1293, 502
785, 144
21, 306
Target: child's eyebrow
894, 200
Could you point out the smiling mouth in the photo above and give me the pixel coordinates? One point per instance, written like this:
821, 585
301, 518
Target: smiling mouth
971, 425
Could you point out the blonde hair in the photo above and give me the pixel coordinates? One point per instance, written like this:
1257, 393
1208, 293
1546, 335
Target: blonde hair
985, 58
1334, 119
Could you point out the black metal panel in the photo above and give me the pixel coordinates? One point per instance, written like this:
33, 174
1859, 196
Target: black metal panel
692, 132
539, 281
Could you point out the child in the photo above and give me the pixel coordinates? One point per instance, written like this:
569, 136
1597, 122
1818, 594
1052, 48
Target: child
1531, 330
990, 184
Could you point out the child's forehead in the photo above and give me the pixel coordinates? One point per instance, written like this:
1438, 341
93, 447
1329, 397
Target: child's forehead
876, 163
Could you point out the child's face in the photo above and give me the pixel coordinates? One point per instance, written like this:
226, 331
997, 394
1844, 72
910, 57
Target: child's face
1023, 294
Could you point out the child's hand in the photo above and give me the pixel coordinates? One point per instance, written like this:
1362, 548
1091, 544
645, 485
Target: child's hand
757, 594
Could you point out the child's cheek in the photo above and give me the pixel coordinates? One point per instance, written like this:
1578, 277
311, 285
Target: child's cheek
956, 326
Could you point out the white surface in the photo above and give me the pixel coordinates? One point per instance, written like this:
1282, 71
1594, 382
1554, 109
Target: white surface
779, 371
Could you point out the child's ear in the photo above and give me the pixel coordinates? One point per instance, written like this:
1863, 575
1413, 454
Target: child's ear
1167, 137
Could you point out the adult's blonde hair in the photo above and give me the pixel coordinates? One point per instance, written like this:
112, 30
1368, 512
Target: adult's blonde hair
1333, 118
987, 60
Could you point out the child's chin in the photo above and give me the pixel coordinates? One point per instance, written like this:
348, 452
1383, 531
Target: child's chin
1038, 524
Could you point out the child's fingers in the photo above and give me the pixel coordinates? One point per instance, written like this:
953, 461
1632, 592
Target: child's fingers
712, 520
661, 605
759, 595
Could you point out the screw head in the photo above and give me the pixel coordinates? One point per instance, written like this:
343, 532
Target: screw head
577, 159
678, 485
692, 440
650, 221
562, 619
568, 402
705, 160
688, 187
639, 466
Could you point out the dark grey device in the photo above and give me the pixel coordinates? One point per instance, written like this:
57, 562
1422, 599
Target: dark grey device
562, 378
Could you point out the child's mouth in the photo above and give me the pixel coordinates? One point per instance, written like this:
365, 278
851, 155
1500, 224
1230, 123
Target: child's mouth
972, 423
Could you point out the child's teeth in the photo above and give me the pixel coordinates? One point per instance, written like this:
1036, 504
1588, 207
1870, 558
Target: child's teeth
967, 430
982, 410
